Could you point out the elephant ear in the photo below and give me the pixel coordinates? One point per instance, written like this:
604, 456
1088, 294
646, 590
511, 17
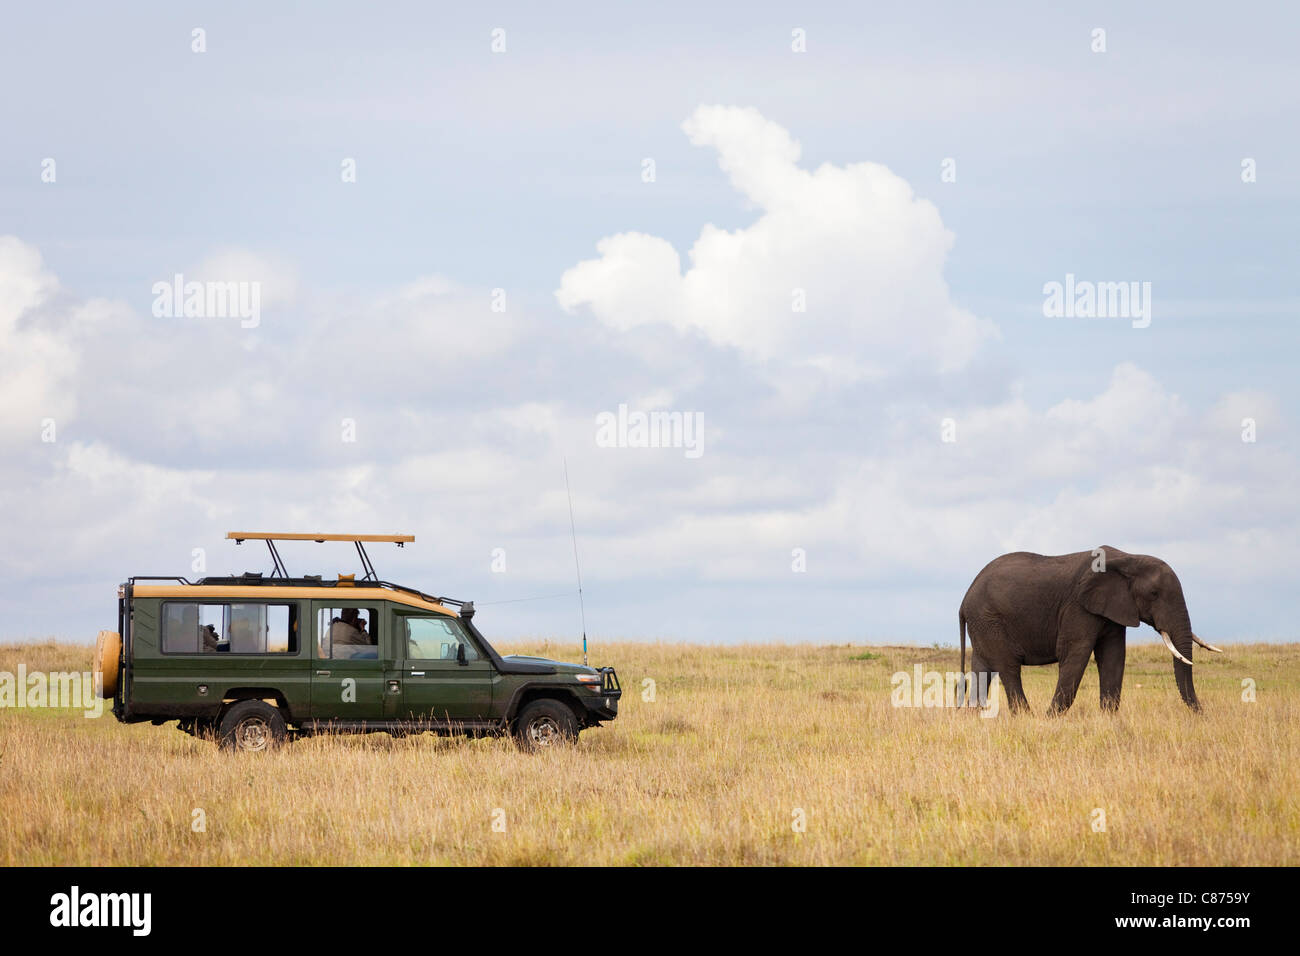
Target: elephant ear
1107, 594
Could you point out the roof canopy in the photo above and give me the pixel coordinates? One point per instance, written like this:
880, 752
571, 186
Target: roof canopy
297, 536
271, 537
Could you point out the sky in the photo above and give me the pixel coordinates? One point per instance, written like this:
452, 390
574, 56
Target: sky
819, 237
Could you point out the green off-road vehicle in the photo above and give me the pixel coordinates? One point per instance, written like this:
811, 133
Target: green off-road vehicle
254, 660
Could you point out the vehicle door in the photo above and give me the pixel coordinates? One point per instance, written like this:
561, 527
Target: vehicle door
444, 674
350, 657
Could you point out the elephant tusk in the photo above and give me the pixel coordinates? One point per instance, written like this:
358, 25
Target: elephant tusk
1208, 647
1173, 650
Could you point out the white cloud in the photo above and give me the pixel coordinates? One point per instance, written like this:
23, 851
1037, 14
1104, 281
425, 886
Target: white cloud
175, 430
24, 283
1234, 409
433, 321
277, 280
41, 344
864, 254
1131, 418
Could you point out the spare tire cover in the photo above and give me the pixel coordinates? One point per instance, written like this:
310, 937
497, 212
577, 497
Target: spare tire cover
108, 651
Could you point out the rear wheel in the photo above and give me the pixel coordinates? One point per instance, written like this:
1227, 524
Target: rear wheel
545, 723
252, 725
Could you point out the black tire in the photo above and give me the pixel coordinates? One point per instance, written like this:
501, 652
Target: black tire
251, 725
545, 723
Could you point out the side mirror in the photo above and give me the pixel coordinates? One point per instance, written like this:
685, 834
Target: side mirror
460, 654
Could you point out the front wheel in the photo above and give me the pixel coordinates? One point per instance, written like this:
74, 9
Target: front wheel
252, 725
545, 723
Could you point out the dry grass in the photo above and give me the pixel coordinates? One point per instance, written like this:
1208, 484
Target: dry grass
711, 772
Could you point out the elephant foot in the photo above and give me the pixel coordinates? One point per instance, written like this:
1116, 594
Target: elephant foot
1057, 708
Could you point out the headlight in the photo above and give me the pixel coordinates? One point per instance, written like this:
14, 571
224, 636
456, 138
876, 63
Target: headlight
588, 678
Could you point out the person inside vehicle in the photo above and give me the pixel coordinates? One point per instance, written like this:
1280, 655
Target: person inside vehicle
211, 640
344, 630
349, 638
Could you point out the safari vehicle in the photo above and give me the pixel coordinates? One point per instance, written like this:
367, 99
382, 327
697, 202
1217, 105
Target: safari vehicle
254, 660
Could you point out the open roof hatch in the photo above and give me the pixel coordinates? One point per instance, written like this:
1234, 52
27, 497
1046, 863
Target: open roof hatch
239, 537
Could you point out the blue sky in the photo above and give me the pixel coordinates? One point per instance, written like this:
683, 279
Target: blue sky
479, 171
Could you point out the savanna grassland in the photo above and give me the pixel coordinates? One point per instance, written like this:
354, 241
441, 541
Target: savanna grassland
738, 746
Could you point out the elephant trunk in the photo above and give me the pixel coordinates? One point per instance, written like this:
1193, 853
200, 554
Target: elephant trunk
1183, 677
1180, 645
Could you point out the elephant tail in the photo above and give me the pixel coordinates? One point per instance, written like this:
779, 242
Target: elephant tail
961, 633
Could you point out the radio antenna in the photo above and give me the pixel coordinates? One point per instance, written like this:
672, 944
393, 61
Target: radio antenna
574, 532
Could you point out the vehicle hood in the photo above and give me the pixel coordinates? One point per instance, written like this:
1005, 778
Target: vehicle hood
559, 666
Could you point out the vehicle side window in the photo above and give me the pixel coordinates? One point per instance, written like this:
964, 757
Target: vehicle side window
180, 628
347, 633
434, 638
229, 628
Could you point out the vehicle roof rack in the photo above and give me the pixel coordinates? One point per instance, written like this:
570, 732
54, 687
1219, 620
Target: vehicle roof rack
282, 578
238, 536
271, 537
466, 608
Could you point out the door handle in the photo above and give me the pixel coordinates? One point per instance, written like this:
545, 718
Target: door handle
322, 673
417, 673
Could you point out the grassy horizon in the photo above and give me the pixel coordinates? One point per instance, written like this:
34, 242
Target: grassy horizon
740, 744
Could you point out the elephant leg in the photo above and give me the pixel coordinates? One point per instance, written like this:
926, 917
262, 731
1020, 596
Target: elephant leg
1010, 676
1073, 664
994, 657
981, 674
1109, 652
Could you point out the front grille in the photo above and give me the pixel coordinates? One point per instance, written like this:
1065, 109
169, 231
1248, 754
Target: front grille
609, 685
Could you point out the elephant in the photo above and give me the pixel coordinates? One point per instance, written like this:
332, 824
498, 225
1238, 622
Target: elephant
1030, 609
